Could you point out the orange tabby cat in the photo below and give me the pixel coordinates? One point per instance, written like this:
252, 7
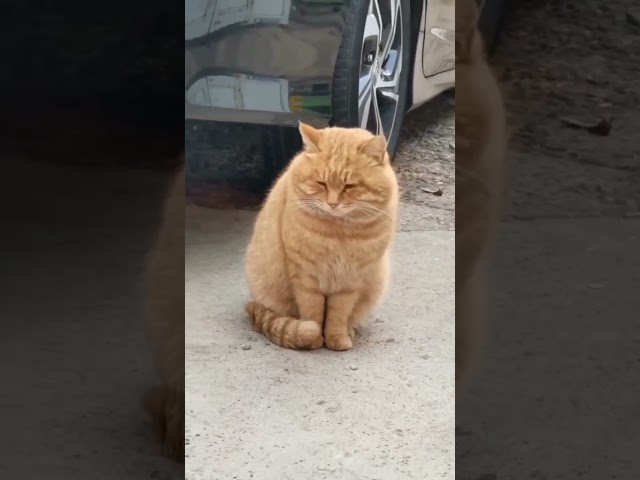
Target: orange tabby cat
318, 261
165, 322
480, 152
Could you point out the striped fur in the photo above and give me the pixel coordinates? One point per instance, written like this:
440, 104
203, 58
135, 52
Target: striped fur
287, 332
318, 260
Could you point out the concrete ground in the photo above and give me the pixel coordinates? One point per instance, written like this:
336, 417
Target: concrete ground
383, 410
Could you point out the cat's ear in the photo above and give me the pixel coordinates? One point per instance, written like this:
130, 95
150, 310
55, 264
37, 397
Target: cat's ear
375, 148
467, 15
310, 137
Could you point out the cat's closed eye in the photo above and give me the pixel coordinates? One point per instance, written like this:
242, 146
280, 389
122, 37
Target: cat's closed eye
350, 186
322, 184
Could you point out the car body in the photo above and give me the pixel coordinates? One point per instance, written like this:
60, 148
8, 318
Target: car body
273, 62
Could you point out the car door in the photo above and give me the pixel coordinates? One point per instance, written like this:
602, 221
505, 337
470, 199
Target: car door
438, 49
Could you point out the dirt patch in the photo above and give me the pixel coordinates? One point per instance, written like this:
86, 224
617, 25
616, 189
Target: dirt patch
573, 60
425, 162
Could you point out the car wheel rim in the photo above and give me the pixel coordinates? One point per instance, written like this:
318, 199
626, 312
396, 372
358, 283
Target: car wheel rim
380, 67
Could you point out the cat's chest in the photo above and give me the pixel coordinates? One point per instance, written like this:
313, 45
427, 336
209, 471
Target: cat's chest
338, 270
338, 262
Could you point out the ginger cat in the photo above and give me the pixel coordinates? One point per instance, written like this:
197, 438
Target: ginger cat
480, 155
164, 322
318, 261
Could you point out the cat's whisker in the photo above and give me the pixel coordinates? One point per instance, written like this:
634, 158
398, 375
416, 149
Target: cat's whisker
368, 210
310, 205
349, 212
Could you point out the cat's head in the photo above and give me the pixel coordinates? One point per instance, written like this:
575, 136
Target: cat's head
343, 173
469, 44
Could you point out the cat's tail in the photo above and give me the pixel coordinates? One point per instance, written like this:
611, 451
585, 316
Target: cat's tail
286, 332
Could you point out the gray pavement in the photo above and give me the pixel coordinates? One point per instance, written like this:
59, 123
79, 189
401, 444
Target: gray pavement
555, 390
384, 410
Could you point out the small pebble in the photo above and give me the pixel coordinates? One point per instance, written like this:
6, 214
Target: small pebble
246, 346
353, 367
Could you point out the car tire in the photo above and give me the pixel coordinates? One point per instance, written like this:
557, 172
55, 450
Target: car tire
279, 145
354, 65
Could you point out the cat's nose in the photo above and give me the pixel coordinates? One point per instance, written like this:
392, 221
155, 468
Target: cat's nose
333, 205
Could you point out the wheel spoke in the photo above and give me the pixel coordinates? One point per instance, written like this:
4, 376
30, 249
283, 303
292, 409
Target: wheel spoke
364, 100
389, 94
370, 52
380, 69
388, 39
374, 10
378, 118
387, 83
373, 25
371, 29
390, 74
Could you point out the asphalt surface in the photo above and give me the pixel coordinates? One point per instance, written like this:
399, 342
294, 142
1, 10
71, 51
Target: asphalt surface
554, 392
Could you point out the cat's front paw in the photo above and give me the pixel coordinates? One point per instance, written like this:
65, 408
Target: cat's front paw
338, 342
